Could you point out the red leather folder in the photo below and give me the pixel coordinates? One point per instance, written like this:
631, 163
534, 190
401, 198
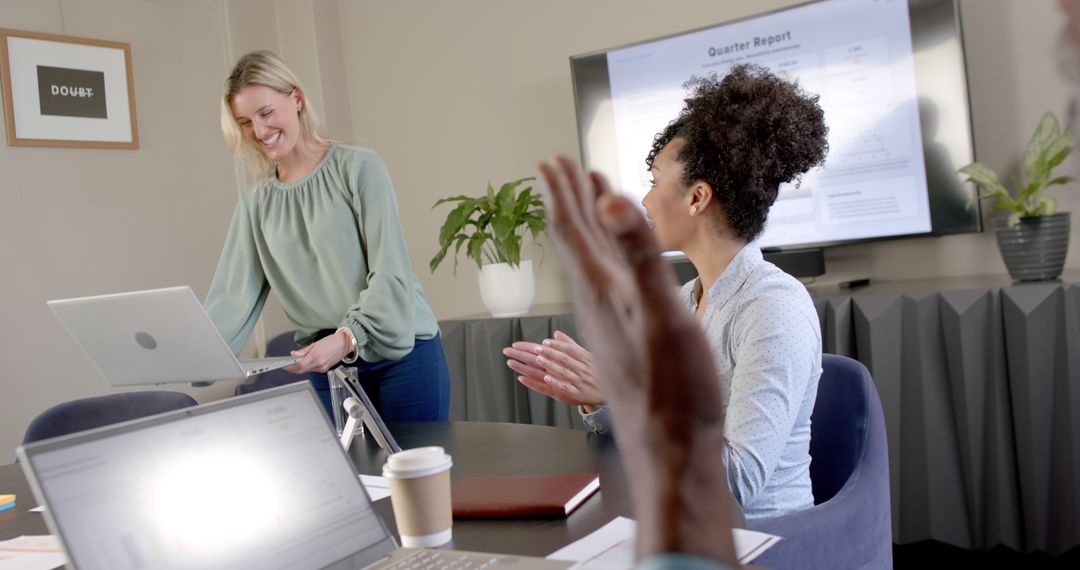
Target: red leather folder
527, 496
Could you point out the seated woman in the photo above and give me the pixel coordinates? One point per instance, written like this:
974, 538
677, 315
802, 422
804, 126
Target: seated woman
716, 171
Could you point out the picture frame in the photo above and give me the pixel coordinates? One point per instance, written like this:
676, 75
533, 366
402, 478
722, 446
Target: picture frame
65, 91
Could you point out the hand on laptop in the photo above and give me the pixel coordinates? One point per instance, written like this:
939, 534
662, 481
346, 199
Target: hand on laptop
321, 355
653, 363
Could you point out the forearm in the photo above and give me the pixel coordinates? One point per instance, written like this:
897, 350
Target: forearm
680, 500
381, 319
239, 288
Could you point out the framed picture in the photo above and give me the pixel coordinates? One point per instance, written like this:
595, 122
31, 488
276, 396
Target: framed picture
66, 91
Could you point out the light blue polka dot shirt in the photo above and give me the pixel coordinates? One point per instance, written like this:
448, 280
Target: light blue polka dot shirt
766, 341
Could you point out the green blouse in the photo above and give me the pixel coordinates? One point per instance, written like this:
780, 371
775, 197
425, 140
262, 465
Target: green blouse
331, 247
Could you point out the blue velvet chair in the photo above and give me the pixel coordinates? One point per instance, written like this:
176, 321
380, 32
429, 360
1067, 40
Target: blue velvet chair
850, 526
89, 413
280, 345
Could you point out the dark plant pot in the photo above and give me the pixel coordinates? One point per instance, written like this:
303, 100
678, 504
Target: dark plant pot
1034, 249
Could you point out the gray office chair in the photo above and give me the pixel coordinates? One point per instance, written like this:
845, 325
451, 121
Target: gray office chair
89, 413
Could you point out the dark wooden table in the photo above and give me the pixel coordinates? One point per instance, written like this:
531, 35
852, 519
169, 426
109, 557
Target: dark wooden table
17, 521
477, 448
486, 449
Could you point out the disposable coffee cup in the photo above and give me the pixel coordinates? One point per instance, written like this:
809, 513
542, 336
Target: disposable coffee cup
420, 492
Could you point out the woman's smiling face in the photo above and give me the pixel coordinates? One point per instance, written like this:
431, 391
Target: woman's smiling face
269, 119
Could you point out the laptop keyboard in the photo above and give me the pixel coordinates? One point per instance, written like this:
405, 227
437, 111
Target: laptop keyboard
442, 560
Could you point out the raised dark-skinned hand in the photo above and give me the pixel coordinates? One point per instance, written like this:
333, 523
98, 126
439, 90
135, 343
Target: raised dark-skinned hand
653, 363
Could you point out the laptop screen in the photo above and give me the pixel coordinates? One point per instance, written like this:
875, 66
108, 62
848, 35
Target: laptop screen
257, 482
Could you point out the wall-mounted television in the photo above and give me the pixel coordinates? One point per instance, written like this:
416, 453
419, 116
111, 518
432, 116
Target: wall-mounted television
891, 79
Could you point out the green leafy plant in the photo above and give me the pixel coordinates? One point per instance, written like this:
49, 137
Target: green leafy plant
491, 228
1048, 147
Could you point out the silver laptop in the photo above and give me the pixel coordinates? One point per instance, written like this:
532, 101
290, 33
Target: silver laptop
154, 337
258, 481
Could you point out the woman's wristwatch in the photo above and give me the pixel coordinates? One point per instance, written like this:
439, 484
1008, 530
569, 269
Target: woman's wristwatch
352, 355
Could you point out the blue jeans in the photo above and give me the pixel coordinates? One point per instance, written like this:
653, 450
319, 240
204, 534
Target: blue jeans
413, 389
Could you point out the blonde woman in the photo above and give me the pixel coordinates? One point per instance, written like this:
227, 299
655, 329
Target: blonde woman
320, 229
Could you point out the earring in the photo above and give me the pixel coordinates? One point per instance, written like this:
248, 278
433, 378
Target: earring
693, 210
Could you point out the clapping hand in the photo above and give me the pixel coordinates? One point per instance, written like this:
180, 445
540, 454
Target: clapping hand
557, 367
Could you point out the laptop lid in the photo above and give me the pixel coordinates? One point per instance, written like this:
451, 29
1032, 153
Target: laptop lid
371, 418
257, 481
149, 337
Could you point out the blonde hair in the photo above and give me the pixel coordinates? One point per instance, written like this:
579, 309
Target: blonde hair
263, 68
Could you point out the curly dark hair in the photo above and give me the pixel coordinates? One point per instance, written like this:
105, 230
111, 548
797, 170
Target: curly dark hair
745, 135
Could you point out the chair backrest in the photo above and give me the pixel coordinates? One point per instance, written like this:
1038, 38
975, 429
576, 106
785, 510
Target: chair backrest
282, 344
89, 413
839, 424
851, 524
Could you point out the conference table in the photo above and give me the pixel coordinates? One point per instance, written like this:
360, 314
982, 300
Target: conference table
478, 449
502, 449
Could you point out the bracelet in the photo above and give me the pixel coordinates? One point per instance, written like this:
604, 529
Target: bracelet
351, 356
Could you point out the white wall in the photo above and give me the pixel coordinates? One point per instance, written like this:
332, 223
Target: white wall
452, 94
88, 221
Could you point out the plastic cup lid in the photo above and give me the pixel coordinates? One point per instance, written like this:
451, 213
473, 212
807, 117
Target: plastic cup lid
417, 462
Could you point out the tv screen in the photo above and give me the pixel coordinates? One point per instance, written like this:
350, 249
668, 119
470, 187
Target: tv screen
891, 80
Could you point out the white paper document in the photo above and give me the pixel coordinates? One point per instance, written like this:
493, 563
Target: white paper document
376, 487
611, 547
31, 553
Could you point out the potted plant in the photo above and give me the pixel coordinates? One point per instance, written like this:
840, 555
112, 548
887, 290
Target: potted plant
492, 230
1033, 239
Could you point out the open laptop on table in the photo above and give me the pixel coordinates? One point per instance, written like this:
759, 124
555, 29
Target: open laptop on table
154, 337
257, 481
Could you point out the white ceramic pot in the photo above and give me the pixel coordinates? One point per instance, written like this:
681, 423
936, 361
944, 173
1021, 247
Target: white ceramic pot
507, 291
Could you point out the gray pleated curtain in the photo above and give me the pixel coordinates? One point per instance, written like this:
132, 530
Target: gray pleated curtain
980, 389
